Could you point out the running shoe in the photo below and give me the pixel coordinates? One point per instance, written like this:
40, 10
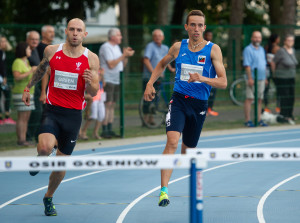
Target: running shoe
53, 153
163, 199
49, 207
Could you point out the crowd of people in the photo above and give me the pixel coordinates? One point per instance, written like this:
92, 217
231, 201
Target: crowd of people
272, 63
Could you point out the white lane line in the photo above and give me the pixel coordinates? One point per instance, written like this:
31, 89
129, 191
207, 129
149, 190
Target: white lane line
200, 141
131, 205
45, 187
267, 143
126, 150
260, 206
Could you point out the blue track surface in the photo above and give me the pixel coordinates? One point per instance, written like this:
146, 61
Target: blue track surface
231, 193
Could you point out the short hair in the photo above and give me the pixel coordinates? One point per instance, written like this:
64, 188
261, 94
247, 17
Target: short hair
159, 31
288, 36
29, 32
208, 31
112, 32
45, 27
21, 49
192, 13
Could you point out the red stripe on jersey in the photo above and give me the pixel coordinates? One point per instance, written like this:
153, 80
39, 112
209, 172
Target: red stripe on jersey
66, 85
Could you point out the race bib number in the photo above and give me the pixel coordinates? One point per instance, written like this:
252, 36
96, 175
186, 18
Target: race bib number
65, 80
188, 68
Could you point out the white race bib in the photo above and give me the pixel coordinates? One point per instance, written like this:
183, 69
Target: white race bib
188, 68
65, 80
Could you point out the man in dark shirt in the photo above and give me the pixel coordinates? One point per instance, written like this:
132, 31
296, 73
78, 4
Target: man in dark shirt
4, 87
48, 34
33, 39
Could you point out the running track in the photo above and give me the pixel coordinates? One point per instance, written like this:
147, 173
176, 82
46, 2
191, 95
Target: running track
241, 192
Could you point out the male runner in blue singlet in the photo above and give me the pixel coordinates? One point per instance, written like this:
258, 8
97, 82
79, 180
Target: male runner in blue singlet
199, 67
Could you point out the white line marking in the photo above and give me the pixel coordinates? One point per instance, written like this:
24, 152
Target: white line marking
260, 206
45, 187
267, 143
131, 205
200, 141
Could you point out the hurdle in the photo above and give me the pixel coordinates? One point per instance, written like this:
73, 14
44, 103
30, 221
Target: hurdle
76, 163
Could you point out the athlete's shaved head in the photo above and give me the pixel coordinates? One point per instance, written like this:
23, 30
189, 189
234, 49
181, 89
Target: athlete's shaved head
75, 32
76, 21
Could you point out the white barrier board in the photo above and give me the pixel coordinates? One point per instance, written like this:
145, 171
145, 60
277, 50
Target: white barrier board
100, 162
250, 154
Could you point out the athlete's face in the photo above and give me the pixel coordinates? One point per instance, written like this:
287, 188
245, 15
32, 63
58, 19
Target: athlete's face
195, 27
75, 32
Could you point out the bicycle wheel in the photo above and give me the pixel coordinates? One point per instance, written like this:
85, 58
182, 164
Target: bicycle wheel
153, 113
238, 91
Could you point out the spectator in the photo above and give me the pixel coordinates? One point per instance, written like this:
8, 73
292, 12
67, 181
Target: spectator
208, 36
33, 39
284, 67
271, 48
113, 61
254, 57
22, 72
48, 34
97, 112
4, 87
154, 52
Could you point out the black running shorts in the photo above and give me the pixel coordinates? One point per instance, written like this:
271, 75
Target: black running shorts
64, 124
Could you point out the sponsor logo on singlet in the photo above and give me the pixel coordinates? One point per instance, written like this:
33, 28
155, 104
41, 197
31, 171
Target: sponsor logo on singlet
201, 59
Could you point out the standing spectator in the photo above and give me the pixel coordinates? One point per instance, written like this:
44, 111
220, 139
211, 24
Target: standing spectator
4, 87
97, 112
208, 36
22, 72
48, 34
113, 61
284, 68
33, 39
254, 57
271, 48
154, 52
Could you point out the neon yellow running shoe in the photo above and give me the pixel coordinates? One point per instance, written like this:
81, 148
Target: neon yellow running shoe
163, 199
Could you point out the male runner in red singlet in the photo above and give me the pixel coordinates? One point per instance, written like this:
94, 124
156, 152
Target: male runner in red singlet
73, 70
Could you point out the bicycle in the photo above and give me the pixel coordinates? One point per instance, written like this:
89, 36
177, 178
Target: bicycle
237, 91
157, 109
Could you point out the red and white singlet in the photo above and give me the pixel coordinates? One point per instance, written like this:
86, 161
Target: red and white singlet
66, 86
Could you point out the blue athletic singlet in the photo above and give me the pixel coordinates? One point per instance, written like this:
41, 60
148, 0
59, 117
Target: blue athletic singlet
189, 62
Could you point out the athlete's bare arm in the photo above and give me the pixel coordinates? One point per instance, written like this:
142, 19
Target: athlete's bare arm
91, 76
44, 85
39, 72
149, 93
217, 61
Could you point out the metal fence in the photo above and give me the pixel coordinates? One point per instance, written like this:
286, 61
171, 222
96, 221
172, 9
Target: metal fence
231, 39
